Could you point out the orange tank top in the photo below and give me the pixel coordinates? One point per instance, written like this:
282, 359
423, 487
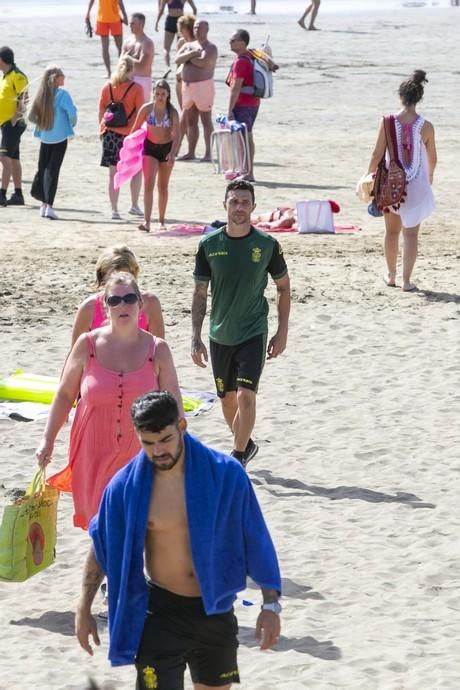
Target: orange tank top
108, 11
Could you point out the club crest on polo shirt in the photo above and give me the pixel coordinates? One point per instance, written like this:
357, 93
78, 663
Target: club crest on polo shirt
256, 255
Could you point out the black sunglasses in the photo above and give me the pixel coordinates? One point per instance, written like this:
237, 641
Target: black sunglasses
115, 300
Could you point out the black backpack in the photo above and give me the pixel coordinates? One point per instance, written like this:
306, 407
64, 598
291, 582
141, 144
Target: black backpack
115, 113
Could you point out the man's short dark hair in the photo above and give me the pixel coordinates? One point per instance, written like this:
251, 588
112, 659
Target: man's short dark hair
240, 185
154, 411
7, 55
139, 16
243, 35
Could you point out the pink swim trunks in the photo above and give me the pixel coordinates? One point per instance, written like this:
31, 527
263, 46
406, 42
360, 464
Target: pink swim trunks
198, 93
146, 83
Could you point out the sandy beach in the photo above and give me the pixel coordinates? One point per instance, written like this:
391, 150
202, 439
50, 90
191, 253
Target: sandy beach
357, 472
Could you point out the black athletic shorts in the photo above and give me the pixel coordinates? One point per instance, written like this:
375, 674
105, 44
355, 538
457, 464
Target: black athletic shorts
11, 136
236, 366
157, 151
178, 632
171, 24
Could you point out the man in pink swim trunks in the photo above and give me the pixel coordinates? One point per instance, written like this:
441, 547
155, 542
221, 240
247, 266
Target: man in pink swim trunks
199, 59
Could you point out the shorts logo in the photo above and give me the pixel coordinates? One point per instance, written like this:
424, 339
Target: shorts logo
240, 379
220, 385
256, 255
150, 677
229, 674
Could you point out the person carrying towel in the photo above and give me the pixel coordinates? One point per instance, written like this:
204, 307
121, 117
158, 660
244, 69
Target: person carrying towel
178, 531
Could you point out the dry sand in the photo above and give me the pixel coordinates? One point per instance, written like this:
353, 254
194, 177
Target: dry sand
358, 420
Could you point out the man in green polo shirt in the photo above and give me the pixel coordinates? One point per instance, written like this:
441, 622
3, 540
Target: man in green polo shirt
13, 103
237, 259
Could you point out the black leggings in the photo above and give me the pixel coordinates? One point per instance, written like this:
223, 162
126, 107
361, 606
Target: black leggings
49, 165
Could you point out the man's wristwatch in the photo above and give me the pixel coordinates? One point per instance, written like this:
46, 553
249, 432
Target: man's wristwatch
275, 607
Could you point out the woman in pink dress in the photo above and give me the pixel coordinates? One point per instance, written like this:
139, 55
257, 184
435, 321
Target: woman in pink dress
417, 154
110, 367
92, 314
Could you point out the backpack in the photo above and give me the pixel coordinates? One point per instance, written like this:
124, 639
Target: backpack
263, 77
115, 113
390, 183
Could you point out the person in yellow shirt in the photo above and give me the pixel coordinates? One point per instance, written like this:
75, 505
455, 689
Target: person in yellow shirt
110, 15
13, 103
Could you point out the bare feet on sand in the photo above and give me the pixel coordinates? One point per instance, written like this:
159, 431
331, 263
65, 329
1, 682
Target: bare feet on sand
390, 279
186, 157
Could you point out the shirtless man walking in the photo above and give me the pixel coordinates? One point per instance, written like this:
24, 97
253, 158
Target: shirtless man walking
198, 90
141, 49
173, 564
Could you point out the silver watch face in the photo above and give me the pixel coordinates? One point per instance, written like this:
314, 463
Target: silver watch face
275, 607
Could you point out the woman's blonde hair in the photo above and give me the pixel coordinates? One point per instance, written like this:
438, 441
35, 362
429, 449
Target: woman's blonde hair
118, 259
124, 67
42, 108
122, 278
187, 22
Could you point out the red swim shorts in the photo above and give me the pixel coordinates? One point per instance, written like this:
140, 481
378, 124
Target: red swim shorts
107, 28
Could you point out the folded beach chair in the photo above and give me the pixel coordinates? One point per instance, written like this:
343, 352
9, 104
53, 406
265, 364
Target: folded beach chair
230, 148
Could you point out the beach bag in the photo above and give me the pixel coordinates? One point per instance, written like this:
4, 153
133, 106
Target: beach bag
315, 216
390, 182
115, 113
28, 532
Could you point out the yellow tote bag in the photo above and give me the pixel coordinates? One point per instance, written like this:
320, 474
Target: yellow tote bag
28, 532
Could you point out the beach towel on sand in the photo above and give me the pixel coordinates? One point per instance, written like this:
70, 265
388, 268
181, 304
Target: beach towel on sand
228, 537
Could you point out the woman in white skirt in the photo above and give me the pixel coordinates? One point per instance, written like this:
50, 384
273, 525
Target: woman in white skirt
417, 154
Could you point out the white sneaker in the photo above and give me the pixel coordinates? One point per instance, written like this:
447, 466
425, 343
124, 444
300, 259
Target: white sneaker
51, 214
135, 211
42, 211
116, 215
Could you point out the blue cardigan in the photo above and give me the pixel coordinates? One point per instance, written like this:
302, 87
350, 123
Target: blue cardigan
65, 119
228, 537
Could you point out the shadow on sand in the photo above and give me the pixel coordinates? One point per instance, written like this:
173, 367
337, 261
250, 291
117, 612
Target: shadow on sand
432, 296
305, 645
265, 477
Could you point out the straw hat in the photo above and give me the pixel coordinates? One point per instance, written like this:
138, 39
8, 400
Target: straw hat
364, 187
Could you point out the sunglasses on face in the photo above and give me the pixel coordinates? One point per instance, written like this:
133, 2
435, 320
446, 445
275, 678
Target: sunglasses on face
115, 300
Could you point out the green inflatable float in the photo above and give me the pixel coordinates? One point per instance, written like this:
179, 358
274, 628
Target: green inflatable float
23, 387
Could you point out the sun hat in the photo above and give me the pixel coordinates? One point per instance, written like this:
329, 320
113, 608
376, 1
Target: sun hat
364, 187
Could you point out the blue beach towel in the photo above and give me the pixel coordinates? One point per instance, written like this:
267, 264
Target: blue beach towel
228, 537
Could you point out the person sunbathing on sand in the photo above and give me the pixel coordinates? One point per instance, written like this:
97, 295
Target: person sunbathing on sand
281, 217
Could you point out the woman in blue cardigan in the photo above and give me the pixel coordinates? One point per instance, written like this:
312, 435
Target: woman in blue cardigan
54, 115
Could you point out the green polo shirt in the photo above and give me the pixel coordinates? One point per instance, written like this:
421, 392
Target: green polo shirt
12, 85
238, 269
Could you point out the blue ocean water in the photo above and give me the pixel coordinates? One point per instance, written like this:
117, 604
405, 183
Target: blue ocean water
43, 8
